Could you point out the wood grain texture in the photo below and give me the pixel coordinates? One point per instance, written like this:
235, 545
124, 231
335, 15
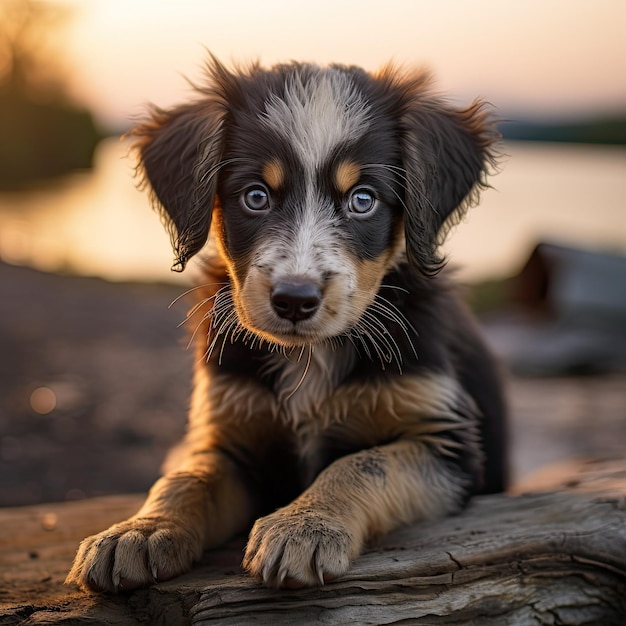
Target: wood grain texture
544, 559
554, 558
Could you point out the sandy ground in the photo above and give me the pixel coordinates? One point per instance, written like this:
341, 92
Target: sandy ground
94, 383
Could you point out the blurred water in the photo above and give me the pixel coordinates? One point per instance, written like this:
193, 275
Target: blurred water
97, 223
91, 223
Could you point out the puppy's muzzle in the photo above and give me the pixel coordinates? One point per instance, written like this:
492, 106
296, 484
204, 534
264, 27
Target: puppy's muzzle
296, 300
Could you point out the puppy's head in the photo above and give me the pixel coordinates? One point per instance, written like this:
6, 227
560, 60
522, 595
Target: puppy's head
318, 181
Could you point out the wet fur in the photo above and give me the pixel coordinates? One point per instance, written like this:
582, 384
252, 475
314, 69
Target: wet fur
379, 409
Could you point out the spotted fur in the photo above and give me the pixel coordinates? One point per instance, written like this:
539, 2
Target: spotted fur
341, 389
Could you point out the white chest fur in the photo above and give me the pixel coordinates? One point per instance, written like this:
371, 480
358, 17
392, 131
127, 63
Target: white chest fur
304, 388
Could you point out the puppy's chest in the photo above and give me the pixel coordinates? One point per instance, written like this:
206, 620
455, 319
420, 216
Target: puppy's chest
328, 414
306, 389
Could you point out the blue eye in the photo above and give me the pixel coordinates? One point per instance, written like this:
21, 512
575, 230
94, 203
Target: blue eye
256, 198
361, 201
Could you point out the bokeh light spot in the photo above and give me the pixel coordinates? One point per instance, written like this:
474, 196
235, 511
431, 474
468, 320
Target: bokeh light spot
49, 521
43, 400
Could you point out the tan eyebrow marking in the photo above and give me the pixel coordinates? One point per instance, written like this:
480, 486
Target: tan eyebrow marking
274, 174
347, 175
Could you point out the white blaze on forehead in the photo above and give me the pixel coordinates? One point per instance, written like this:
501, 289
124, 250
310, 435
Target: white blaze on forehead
312, 247
308, 247
317, 115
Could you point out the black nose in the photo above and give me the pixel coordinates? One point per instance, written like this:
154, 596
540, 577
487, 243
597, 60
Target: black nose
296, 300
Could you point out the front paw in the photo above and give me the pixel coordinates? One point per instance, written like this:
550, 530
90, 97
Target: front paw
297, 549
134, 554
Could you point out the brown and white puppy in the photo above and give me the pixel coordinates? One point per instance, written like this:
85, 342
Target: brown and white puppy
341, 389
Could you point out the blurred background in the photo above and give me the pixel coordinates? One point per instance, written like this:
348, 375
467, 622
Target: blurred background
94, 376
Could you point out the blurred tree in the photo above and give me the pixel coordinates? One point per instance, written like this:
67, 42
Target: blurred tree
42, 134
29, 60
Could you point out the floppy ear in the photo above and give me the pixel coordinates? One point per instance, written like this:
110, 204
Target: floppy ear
179, 154
446, 154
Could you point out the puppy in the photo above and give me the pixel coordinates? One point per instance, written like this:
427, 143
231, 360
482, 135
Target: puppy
341, 389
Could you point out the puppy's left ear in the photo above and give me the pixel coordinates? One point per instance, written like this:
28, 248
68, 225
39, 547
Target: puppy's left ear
446, 154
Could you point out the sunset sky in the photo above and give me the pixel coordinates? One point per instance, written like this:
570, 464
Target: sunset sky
528, 58
533, 57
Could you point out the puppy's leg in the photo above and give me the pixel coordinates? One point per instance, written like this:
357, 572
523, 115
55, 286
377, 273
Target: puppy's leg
200, 505
357, 497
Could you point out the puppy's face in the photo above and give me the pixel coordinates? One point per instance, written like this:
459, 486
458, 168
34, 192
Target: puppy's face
310, 213
318, 180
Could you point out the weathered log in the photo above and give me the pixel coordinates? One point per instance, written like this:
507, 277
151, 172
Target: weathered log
554, 558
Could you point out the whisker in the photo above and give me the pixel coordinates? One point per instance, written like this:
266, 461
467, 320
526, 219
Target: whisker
396, 170
396, 287
188, 291
208, 175
384, 339
196, 308
212, 313
393, 174
304, 373
196, 329
372, 331
402, 174
396, 315
222, 332
233, 329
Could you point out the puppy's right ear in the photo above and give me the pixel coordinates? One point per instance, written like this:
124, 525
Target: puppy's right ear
179, 155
